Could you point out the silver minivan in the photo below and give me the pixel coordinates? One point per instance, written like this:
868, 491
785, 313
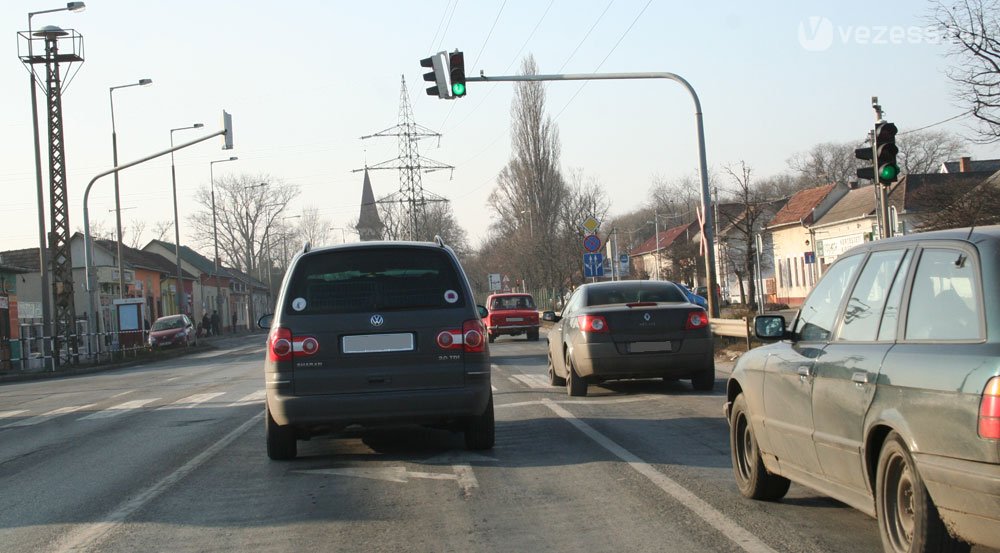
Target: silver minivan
374, 334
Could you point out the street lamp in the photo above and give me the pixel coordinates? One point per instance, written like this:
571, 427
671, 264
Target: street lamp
531, 224
215, 229
43, 252
118, 205
177, 226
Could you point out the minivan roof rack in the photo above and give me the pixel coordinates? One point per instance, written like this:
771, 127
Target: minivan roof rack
438, 240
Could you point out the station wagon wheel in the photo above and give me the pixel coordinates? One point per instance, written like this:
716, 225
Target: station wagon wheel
752, 477
908, 521
554, 379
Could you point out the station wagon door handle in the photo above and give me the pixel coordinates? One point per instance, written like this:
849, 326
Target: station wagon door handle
860, 378
804, 370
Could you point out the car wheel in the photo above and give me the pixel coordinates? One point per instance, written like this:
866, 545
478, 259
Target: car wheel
492, 337
480, 431
575, 385
281, 444
532, 335
554, 379
752, 477
908, 521
704, 381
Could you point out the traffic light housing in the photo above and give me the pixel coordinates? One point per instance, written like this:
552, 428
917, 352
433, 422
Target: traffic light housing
440, 76
884, 168
456, 65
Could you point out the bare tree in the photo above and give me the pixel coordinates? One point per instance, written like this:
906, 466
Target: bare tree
248, 209
956, 203
161, 229
825, 163
133, 233
743, 222
925, 151
313, 227
973, 29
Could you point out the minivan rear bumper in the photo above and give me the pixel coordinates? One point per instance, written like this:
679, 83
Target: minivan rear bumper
967, 495
407, 406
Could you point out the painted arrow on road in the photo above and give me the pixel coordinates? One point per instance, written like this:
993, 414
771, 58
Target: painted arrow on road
462, 475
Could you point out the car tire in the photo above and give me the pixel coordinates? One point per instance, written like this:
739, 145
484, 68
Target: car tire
704, 381
752, 477
491, 337
554, 379
480, 431
532, 335
576, 386
908, 521
281, 443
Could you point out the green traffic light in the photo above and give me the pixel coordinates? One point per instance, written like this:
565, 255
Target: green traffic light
888, 172
458, 89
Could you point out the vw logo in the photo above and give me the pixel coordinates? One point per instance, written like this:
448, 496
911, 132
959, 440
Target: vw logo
377, 320
646, 317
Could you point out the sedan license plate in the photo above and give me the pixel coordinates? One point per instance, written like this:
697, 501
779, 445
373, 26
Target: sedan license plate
649, 347
514, 319
377, 343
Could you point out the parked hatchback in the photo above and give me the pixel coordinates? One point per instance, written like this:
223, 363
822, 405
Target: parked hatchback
376, 333
885, 391
172, 330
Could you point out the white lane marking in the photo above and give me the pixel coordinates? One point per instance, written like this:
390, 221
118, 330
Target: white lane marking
88, 536
536, 381
492, 387
727, 527
171, 379
254, 397
11, 414
119, 409
611, 401
48, 416
466, 479
191, 402
513, 380
462, 475
126, 392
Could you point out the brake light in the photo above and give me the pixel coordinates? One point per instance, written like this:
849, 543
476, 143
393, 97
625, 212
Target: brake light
304, 346
696, 320
472, 336
989, 410
449, 339
596, 324
279, 345
641, 304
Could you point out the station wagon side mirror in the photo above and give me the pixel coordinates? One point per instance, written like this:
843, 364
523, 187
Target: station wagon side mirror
483, 312
265, 321
551, 316
769, 327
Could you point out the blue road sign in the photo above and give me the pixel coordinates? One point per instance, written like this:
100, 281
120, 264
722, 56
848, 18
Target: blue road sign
810, 257
592, 243
593, 264
623, 259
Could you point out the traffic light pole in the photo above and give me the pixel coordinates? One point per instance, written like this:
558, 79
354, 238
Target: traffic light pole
707, 233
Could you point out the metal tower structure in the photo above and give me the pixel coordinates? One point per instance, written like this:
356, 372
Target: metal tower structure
60, 260
410, 164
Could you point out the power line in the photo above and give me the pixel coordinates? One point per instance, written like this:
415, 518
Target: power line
447, 26
479, 55
584, 39
963, 114
430, 47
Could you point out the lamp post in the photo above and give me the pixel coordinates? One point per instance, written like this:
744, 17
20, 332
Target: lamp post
118, 204
215, 230
177, 226
531, 223
43, 252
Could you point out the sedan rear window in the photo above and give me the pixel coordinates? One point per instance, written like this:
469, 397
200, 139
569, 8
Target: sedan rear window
635, 292
362, 280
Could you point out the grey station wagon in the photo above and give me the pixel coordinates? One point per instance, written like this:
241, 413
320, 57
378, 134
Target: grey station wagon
376, 333
885, 391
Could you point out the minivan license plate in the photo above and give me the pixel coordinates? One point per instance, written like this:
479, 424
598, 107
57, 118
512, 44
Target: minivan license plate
377, 343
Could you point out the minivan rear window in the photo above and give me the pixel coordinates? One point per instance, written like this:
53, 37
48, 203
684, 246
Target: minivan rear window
382, 279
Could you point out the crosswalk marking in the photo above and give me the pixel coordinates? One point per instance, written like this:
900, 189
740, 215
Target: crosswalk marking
249, 398
11, 414
191, 402
119, 409
48, 416
533, 380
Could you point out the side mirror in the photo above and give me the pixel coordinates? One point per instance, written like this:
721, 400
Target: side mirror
265, 321
483, 312
551, 316
769, 327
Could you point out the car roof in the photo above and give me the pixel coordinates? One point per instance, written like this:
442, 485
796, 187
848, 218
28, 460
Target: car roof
966, 234
379, 244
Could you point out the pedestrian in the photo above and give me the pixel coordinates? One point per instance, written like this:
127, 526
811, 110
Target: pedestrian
234, 322
206, 323
216, 323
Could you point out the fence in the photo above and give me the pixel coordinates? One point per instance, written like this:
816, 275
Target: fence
90, 348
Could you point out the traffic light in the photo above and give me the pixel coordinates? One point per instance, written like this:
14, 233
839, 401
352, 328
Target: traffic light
439, 75
885, 146
884, 168
456, 64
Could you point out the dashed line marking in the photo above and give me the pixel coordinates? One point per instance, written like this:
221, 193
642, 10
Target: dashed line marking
535, 381
119, 409
254, 397
191, 402
48, 416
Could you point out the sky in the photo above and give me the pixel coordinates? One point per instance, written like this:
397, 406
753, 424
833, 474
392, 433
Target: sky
304, 80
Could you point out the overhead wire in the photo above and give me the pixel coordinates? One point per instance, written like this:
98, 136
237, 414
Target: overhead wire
942, 122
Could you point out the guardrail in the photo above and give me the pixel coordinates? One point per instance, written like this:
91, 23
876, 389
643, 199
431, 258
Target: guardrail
733, 328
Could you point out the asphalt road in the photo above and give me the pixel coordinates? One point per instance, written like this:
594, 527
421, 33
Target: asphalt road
170, 457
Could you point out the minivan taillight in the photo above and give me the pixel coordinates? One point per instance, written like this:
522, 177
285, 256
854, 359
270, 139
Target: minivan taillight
596, 324
696, 320
472, 336
279, 344
989, 410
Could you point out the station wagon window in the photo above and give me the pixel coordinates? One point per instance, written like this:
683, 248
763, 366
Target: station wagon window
890, 317
864, 307
944, 302
819, 312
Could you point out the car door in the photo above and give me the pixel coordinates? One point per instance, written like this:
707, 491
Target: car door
788, 372
845, 374
557, 335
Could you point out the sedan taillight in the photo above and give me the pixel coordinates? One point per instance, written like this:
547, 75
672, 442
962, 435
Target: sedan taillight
696, 320
596, 324
989, 410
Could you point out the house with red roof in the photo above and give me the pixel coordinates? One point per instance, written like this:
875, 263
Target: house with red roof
661, 256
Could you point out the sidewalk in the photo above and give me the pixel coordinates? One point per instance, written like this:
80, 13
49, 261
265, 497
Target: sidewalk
131, 359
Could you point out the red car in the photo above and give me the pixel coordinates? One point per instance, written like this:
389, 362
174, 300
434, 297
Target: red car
511, 314
173, 330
